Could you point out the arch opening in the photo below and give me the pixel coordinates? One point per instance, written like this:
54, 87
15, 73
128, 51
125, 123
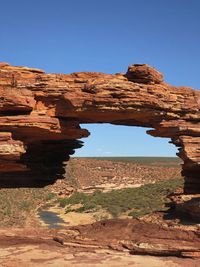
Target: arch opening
127, 144
109, 140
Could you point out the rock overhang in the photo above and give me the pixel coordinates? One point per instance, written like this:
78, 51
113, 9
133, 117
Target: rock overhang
40, 116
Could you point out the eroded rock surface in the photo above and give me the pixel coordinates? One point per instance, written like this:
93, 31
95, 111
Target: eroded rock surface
40, 115
107, 243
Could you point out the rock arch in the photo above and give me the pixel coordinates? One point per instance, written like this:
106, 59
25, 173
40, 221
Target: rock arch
40, 115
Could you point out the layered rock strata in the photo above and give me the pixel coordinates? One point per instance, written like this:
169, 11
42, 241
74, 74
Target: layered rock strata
40, 116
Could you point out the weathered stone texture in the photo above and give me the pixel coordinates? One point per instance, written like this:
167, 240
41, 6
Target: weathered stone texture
40, 115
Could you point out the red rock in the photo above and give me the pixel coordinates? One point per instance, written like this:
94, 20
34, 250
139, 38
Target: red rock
41, 114
143, 73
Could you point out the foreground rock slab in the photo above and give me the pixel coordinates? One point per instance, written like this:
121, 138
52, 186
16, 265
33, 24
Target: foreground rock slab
44, 256
106, 243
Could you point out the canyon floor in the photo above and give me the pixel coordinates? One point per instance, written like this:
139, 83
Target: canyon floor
90, 230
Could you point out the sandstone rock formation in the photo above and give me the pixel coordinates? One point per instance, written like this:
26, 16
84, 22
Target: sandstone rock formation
106, 243
40, 115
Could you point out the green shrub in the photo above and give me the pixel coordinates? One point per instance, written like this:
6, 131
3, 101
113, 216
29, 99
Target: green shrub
62, 202
25, 205
137, 201
88, 206
50, 196
138, 213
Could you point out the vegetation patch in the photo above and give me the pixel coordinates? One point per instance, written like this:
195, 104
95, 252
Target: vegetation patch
152, 161
18, 205
134, 202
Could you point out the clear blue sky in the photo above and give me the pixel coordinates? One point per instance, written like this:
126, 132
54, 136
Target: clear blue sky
108, 35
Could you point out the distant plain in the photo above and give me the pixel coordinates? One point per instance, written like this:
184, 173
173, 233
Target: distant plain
155, 161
